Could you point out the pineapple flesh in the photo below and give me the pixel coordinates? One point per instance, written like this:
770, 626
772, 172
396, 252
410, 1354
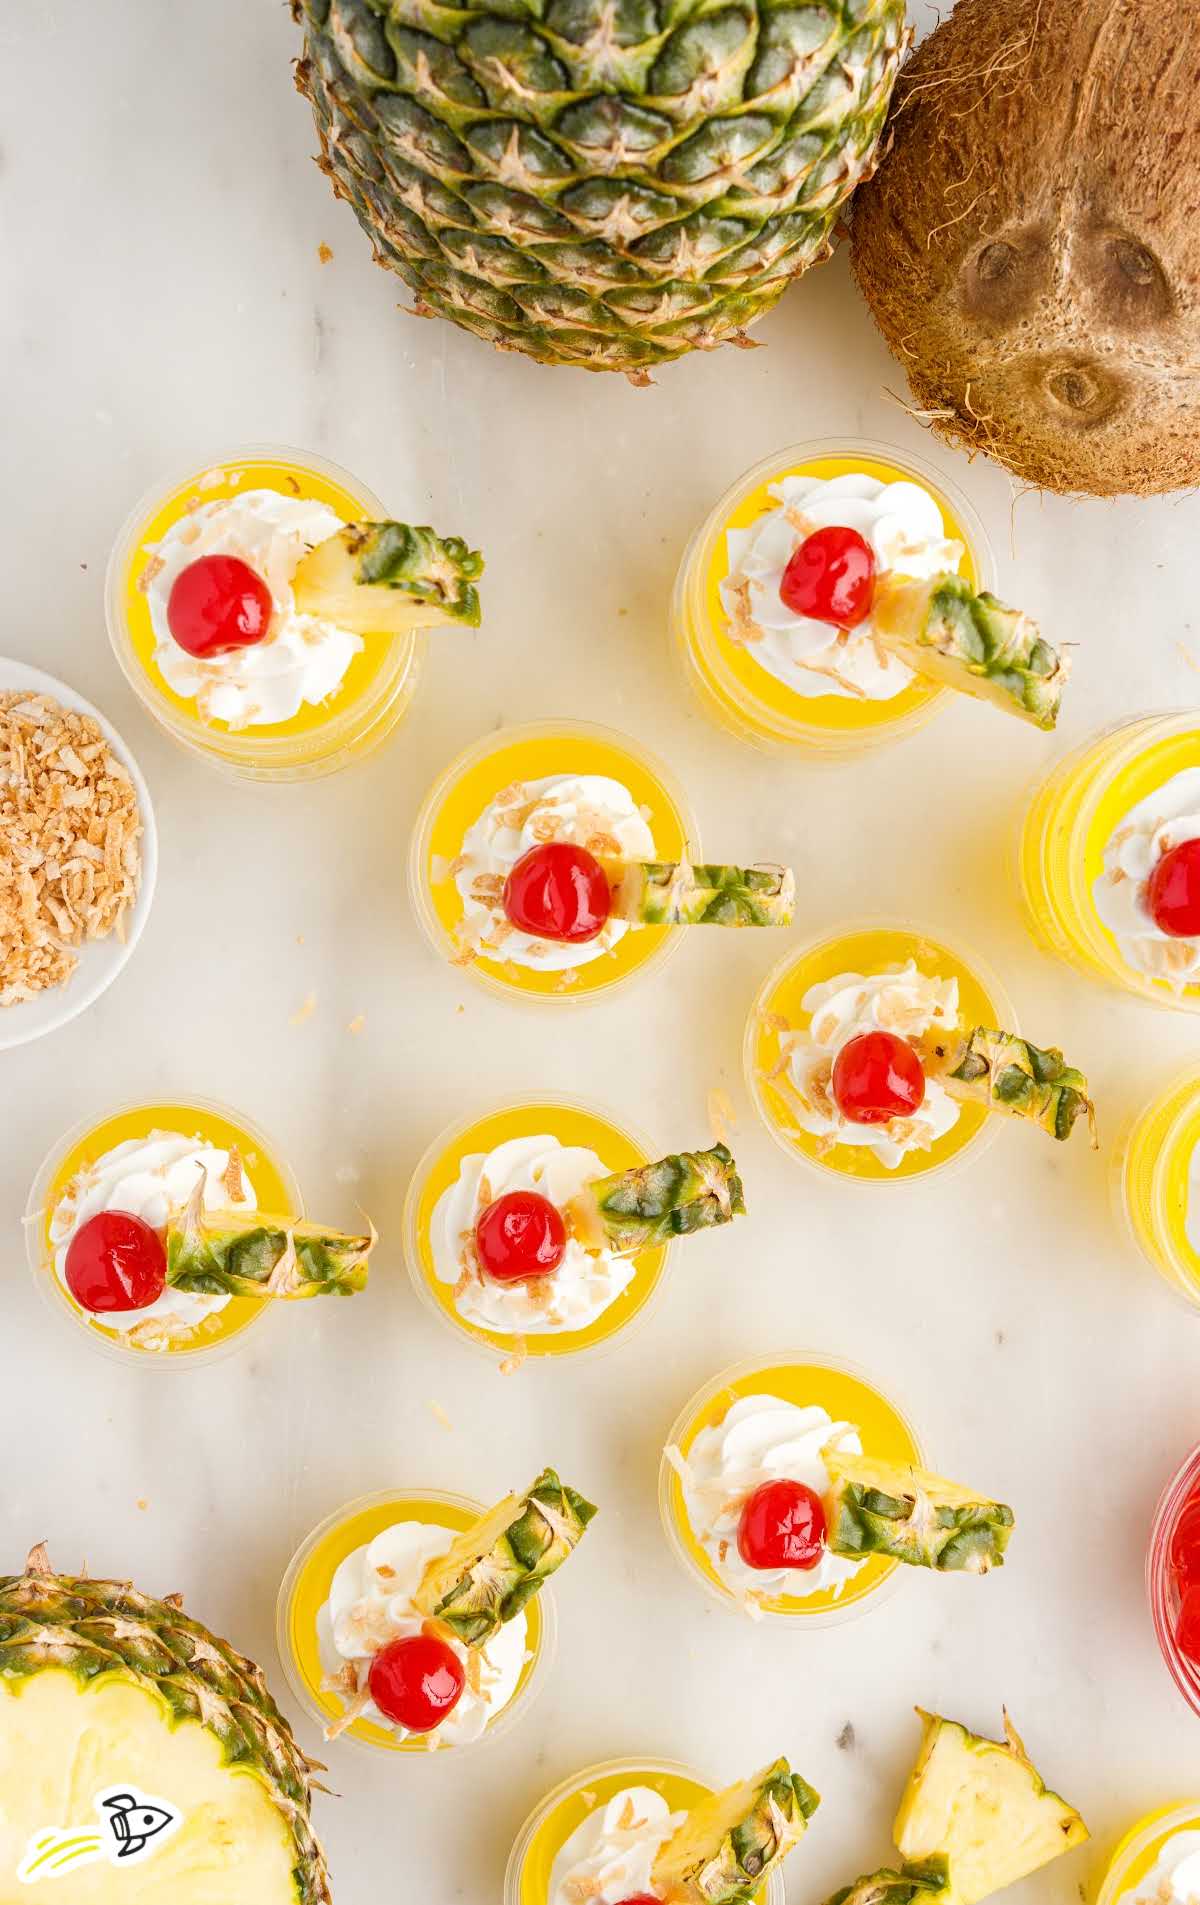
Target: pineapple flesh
250, 1254
652, 1203
906, 1514
665, 893
388, 579
971, 642
1005, 1073
728, 1843
102, 1686
913, 1885
501, 1561
983, 1806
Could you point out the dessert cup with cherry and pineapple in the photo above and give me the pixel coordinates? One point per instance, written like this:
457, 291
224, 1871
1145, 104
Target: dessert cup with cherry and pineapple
837, 591
414, 1621
167, 1229
1109, 859
1156, 1183
1173, 1578
269, 616
545, 1228
1158, 1860
637, 1831
557, 860
881, 1053
793, 1489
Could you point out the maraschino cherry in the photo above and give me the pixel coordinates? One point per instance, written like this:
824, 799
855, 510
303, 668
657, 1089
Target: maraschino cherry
782, 1526
558, 892
218, 603
877, 1077
521, 1235
831, 578
1173, 894
417, 1681
115, 1261
641, 1898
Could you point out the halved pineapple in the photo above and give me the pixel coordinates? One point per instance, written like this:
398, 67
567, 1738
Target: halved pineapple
248, 1253
1003, 1072
912, 1885
728, 1843
501, 1561
651, 1203
892, 1509
983, 1806
102, 1687
676, 893
389, 578
972, 642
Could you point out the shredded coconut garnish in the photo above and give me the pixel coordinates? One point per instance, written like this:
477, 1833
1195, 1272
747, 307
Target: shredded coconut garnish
304, 1011
511, 1364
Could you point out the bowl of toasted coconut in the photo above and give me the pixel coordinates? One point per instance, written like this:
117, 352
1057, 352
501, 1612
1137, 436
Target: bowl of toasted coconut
78, 853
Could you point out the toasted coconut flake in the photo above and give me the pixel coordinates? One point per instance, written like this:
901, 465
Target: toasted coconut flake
304, 1011
233, 1177
324, 254
439, 1415
511, 1364
356, 1024
153, 567
627, 1816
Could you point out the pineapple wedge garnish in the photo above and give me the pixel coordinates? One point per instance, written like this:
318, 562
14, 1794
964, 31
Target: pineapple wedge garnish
906, 1514
1007, 1073
650, 1204
389, 578
728, 1843
501, 1561
676, 893
982, 1806
912, 1885
248, 1253
944, 630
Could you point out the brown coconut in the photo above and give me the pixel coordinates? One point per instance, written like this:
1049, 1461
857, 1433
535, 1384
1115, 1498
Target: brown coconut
1030, 245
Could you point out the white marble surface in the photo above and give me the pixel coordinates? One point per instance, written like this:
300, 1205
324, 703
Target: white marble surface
163, 297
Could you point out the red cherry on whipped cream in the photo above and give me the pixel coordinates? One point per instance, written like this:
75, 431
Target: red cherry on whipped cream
782, 1526
218, 603
519, 1236
558, 892
877, 1077
1173, 894
115, 1261
417, 1681
830, 578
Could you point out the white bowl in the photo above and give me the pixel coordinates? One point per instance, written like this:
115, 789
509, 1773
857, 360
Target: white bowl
100, 960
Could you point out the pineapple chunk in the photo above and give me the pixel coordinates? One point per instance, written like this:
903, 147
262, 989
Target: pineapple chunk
247, 1253
389, 578
1007, 1073
912, 1885
983, 1806
971, 642
892, 1509
650, 1204
670, 893
501, 1561
727, 1844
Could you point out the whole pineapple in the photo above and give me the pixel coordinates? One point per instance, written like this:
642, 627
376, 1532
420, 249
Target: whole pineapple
602, 183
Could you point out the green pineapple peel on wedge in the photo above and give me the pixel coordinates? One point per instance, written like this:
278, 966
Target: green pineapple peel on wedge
248, 1253
906, 1514
983, 1806
1007, 1073
501, 1561
389, 578
668, 893
945, 630
650, 1204
912, 1885
725, 1847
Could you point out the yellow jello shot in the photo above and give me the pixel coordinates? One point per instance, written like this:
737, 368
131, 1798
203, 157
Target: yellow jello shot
102, 1203
1158, 1860
777, 676
1109, 859
307, 697
759, 1423
614, 1817
559, 783
873, 991
346, 1617
1157, 1184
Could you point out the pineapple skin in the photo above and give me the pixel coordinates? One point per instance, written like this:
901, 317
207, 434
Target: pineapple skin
383, 577
92, 1628
945, 630
490, 1572
912, 1885
663, 893
1007, 1073
555, 187
673, 1197
729, 1842
226, 1253
907, 1514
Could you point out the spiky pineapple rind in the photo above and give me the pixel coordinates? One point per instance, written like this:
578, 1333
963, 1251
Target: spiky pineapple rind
918, 1884
670, 893
491, 1572
971, 641
229, 1253
1007, 1073
730, 1841
650, 1204
907, 1514
376, 577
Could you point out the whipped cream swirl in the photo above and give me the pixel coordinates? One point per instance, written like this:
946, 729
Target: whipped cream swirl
761, 1439
1164, 819
586, 810
152, 1177
371, 1603
1174, 1878
586, 1282
609, 1858
904, 527
902, 1000
301, 659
